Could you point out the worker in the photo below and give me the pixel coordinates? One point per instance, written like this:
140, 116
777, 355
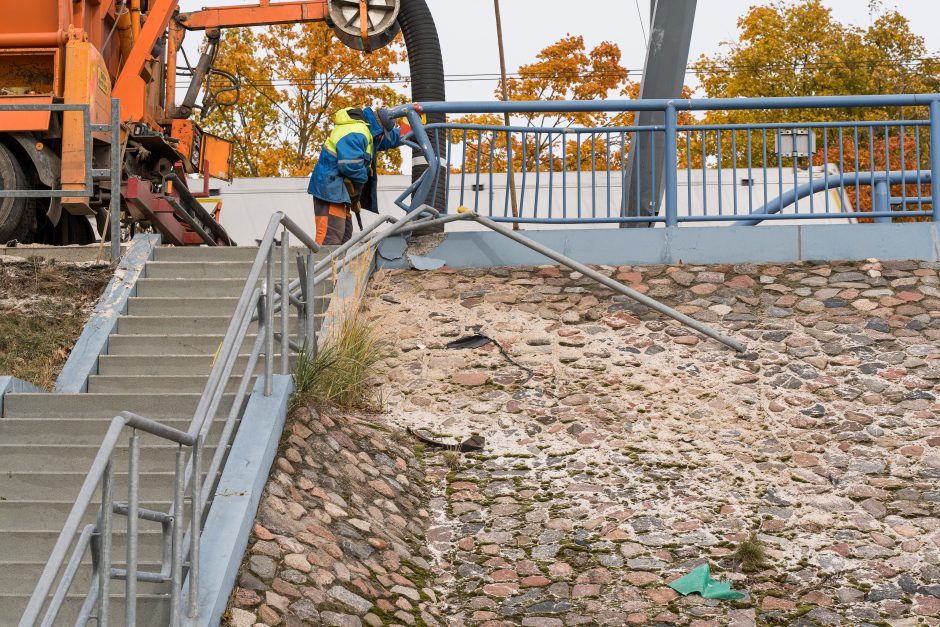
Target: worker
344, 179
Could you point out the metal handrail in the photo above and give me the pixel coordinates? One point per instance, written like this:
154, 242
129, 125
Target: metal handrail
113, 172
182, 536
645, 181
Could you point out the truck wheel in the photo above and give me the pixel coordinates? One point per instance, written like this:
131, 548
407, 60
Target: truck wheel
16, 214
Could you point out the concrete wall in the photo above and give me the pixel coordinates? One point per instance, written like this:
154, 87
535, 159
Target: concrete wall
689, 245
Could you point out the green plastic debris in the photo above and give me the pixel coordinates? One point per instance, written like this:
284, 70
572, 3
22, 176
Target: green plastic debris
700, 580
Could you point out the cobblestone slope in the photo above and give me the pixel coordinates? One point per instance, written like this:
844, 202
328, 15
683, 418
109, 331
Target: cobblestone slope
639, 450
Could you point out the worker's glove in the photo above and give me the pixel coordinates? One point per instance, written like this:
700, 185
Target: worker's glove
386, 121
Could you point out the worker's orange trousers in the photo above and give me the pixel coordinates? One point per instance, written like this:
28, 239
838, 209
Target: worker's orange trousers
333, 221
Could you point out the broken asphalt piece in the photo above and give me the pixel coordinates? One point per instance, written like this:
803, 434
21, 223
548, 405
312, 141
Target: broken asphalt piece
700, 581
477, 340
473, 444
425, 263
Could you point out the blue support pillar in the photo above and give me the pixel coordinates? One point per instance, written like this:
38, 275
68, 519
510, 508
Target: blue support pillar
672, 166
880, 201
935, 159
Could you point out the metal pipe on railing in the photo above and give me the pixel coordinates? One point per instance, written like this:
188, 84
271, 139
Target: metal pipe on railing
269, 327
823, 184
671, 166
609, 282
104, 544
285, 299
310, 311
115, 201
229, 425
69, 575
130, 584
935, 158
196, 522
176, 566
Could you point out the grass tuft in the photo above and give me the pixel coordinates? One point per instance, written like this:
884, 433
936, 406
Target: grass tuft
750, 554
339, 373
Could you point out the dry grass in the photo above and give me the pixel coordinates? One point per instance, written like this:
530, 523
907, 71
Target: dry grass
43, 307
750, 554
339, 373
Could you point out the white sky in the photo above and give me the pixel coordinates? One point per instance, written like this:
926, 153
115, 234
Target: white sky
468, 34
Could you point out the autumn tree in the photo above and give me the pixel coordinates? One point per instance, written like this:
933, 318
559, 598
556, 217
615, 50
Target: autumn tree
800, 49
292, 80
565, 70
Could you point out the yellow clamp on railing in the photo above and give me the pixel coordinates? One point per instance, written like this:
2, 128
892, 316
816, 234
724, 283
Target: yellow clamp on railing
462, 209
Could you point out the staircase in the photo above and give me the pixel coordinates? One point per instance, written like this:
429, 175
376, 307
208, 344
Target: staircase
156, 365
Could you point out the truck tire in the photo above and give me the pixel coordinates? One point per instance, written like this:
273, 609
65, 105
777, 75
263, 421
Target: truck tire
16, 214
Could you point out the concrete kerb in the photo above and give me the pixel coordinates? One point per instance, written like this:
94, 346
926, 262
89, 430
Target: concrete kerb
93, 342
691, 245
236, 500
348, 290
13, 386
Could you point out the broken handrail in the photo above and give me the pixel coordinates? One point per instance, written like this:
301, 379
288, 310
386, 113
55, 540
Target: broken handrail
615, 285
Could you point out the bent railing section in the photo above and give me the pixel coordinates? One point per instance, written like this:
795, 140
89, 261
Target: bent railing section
683, 170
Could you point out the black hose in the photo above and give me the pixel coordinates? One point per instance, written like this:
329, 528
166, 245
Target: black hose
427, 76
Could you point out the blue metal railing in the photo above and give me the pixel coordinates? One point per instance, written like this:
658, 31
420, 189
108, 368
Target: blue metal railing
845, 168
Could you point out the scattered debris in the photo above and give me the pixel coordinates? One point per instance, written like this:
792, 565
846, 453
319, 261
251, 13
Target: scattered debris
477, 340
473, 444
426, 263
700, 581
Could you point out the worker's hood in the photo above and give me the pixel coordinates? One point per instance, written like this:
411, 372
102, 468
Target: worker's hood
354, 115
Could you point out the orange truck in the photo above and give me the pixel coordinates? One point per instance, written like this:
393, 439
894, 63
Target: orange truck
86, 52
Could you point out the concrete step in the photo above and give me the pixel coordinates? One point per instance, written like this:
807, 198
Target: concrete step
224, 253
144, 345
181, 306
158, 365
52, 485
155, 406
152, 609
162, 288
22, 431
209, 270
180, 325
78, 458
125, 384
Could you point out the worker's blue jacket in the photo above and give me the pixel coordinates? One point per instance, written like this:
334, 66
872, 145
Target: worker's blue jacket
350, 153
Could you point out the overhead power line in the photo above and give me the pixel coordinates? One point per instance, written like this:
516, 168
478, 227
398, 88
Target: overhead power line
714, 68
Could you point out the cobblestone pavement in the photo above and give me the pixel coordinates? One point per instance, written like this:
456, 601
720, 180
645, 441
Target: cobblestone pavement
639, 450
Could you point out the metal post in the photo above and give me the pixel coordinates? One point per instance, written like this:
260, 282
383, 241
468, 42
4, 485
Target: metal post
176, 565
133, 480
196, 497
880, 201
672, 166
285, 301
311, 313
104, 560
115, 181
269, 326
935, 159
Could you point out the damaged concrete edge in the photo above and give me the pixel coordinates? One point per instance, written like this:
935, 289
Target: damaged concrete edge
690, 245
93, 342
235, 503
13, 385
348, 290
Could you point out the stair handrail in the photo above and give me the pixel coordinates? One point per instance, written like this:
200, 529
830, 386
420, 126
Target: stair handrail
182, 536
